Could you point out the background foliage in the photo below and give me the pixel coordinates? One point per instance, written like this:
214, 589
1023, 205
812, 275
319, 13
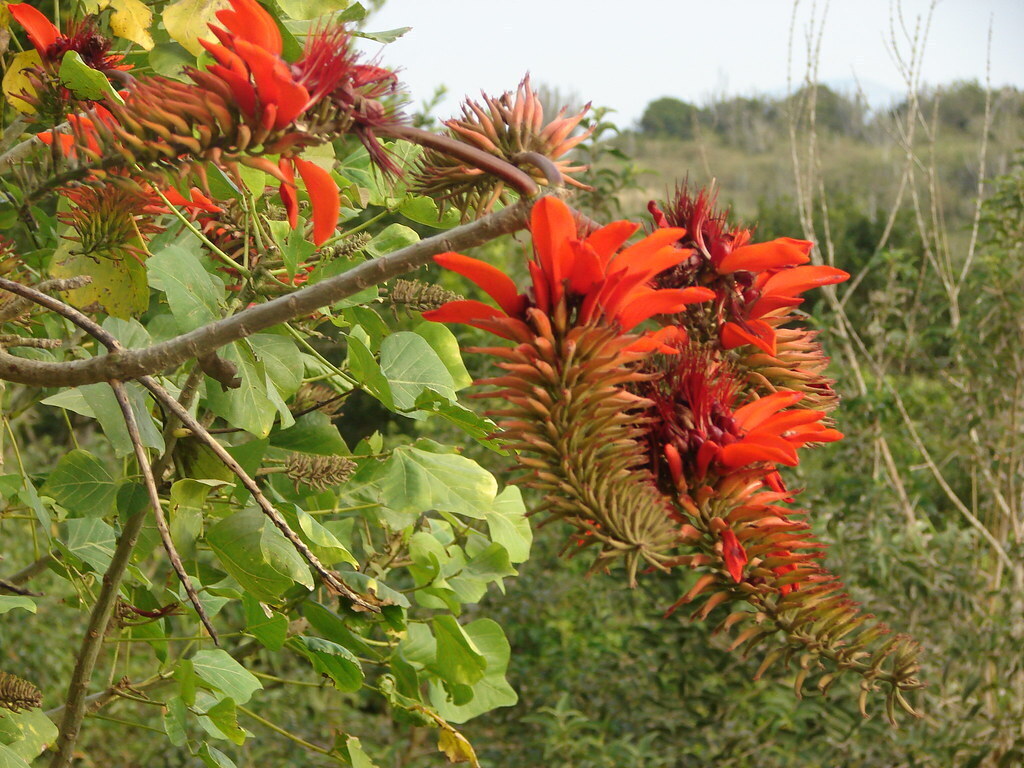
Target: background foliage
929, 327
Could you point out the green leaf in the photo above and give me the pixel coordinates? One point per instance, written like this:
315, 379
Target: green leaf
249, 406
185, 513
458, 659
170, 60
356, 756
226, 675
193, 294
423, 210
265, 624
37, 733
444, 343
224, 715
476, 426
84, 81
292, 244
279, 355
10, 759
214, 758
414, 480
175, 717
311, 9
387, 36
313, 433
258, 555
392, 238
411, 365
508, 525
102, 402
333, 627
10, 602
324, 544
489, 692
81, 483
367, 372
91, 540
331, 659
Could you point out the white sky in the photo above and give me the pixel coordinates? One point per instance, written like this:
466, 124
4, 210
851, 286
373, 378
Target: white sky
689, 49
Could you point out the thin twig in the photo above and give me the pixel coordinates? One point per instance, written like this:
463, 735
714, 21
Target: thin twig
330, 578
154, 502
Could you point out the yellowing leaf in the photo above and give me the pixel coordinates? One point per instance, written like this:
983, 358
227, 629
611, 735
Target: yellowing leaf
455, 747
131, 20
118, 284
15, 80
187, 21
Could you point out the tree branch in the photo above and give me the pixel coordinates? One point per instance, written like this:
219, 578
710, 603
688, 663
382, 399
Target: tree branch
131, 364
154, 502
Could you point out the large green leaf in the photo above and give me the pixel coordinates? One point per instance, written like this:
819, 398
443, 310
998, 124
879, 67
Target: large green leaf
265, 624
492, 689
10, 602
11, 759
390, 239
249, 406
444, 343
258, 555
193, 294
458, 659
313, 433
331, 659
103, 403
223, 673
92, 541
84, 81
413, 481
411, 365
279, 355
81, 483
224, 715
508, 525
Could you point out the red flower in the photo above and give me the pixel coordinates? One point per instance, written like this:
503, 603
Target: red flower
589, 278
734, 555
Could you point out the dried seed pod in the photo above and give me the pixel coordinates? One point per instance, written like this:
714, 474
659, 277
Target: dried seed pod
418, 296
17, 694
319, 472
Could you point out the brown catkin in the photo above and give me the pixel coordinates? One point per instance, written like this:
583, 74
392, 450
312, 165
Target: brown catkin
17, 694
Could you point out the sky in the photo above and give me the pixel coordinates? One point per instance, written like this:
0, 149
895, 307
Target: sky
693, 50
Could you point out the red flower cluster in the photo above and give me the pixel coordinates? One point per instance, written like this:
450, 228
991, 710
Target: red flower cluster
626, 430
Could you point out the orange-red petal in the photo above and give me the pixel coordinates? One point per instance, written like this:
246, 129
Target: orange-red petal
324, 197
758, 333
553, 227
492, 280
782, 252
734, 555
752, 415
41, 31
246, 19
791, 282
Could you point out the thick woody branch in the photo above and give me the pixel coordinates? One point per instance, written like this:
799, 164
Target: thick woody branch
131, 364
